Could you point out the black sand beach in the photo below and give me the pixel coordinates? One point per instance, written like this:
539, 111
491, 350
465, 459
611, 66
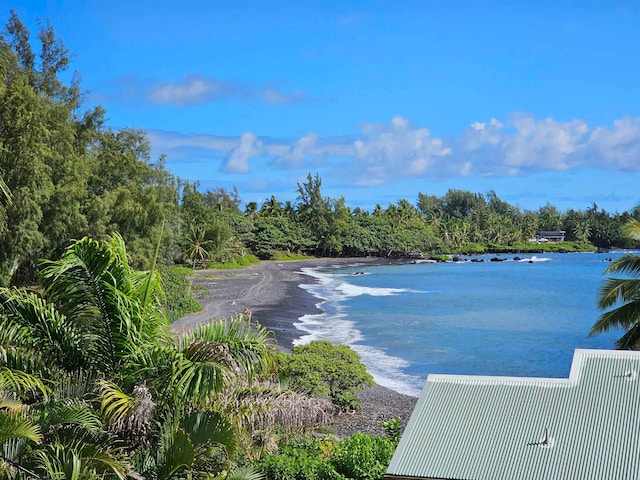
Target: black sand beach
270, 290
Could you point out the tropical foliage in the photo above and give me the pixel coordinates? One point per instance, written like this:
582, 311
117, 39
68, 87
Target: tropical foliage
326, 370
625, 293
358, 457
93, 386
65, 175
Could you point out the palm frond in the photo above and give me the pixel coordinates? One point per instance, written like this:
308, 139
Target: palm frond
247, 342
195, 381
93, 285
210, 428
245, 473
115, 404
630, 340
43, 328
77, 385
18, 426
21, 383
615, 290
628, 264
131, 413
176, 453
632, 229
77, 461
16, 352
10, 403
70, 414
624, 316
624, 292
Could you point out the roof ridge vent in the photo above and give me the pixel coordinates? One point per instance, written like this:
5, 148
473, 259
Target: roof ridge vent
630, 374
547, 441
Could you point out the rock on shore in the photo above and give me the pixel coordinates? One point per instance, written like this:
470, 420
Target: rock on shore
379, 404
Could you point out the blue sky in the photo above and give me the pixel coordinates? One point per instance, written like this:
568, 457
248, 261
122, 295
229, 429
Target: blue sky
537, 100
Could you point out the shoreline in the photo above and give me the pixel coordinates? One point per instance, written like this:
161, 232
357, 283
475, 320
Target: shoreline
271, 290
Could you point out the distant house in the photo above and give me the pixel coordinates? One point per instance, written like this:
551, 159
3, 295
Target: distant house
550, 236
585, 427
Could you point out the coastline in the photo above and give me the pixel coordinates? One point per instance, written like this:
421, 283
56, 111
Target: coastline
271, 290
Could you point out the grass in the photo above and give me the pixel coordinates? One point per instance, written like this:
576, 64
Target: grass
179, 295
283, 256
235, 262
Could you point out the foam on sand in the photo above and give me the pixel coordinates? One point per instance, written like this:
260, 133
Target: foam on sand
334, 325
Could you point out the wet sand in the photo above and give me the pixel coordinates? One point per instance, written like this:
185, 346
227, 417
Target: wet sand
270, 291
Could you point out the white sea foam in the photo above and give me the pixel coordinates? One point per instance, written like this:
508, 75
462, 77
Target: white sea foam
388, 371
349, 290
333, 325
535, 259
335, 328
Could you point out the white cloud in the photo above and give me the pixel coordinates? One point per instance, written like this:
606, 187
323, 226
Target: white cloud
248, 147
164, 141
273, 96
396, 150
192, 90
524, 144
198, 89
302, 149
383, 153
617, 147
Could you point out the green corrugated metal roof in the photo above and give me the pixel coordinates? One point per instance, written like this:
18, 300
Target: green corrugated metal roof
492, 428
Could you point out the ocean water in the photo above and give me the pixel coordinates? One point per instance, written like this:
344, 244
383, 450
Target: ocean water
513, 318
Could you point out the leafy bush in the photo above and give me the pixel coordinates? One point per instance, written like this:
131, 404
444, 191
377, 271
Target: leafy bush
179, 299
299, 461
363, 456
323, 369
235, 262
393, 429
348, 402
277, 255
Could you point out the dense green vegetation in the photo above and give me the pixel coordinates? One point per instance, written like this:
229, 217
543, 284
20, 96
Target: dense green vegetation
92, 384
326, 370
360, 457
66, 174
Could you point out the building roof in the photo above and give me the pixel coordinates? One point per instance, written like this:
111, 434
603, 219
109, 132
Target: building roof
491, 428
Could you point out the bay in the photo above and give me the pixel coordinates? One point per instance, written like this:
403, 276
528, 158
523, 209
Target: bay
519, 318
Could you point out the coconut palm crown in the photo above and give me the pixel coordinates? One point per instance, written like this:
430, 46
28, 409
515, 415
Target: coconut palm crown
624, 292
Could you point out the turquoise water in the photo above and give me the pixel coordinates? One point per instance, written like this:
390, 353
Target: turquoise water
514, 318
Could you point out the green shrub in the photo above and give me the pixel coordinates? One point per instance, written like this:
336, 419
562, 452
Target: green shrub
363, 456
348, 402
359, 457
323, 369
234, 262
392, 429
299, 461
179, 299
283, 256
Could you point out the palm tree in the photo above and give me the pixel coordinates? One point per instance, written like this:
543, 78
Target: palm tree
92, 386
197, 245
113, 309
625, 291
